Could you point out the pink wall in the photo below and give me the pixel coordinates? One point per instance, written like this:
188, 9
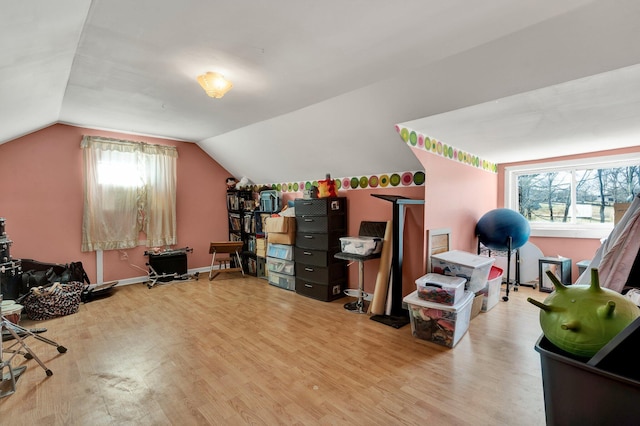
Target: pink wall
457, 195
363, 207
575, 248
42, 200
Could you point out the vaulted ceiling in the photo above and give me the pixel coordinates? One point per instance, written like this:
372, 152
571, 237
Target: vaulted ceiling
320, 85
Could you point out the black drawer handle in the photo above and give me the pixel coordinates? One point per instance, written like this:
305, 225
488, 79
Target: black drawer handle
306, 253
308, 220
308, 269
309, 237
308, 285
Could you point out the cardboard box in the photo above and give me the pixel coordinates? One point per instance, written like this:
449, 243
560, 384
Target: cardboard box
281, 230
476, 306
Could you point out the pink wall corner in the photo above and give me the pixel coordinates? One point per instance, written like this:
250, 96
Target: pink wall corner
43, 201
363, 207
457, 196
577, 249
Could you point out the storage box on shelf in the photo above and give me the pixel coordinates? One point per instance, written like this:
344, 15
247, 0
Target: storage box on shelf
441, 324
320, 223
458, 263
280, 251
288, 282
438, 288
280, 265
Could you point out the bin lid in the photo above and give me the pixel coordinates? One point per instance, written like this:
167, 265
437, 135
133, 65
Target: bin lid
414, 299
440, 280
464, 258
494, 273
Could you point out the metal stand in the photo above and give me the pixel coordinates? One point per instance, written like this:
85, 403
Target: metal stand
508, 250
399, 316
359, 306
154, 276
14, 331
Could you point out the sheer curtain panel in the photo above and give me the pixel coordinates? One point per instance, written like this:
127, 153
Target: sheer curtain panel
129, 187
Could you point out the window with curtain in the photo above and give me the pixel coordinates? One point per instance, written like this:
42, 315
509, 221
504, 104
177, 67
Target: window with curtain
130, 187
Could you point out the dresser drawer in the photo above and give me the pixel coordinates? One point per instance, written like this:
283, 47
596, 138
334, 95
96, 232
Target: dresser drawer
322, 274
312, 241
320, 224
324, 292
321, 206
316, 257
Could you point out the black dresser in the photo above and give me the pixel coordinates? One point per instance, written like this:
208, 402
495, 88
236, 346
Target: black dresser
320, 223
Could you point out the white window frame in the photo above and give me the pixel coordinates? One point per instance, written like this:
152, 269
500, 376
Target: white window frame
564, 230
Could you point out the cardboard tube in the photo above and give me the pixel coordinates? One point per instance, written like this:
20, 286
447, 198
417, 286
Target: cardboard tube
382, 280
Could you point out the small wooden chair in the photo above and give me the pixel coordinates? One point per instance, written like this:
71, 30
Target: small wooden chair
233, 249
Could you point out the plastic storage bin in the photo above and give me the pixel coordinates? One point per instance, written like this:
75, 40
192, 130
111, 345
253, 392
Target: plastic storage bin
576, 393
441, 324
281, 266
361, 245
491, 291
440, 288
287, 282
280, 251
466, 265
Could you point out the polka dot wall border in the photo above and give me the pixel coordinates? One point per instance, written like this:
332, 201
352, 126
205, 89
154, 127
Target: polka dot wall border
437, 147
383, 180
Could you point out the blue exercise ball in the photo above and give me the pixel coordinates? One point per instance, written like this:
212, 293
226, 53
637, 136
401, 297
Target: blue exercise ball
496, 226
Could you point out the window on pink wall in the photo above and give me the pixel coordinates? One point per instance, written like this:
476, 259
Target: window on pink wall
574, 198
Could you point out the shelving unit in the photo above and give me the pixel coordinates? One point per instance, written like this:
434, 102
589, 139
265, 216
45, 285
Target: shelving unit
242, 227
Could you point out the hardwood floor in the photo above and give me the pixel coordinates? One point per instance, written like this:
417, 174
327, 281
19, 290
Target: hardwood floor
237, 351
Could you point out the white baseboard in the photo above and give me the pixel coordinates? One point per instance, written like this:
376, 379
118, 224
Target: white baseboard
145, 278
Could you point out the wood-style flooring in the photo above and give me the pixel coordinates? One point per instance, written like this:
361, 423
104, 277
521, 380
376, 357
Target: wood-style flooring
236, 351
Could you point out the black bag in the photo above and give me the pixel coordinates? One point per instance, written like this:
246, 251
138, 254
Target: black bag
41, 274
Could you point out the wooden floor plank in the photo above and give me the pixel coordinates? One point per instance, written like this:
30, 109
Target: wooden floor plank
240, 351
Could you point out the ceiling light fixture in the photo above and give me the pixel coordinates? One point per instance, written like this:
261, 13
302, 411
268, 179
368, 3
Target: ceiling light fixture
214, 84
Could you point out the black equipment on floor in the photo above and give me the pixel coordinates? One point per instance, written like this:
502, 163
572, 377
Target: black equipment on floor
168, 265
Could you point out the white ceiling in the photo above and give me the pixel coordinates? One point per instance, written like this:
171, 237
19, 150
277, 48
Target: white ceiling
326, 81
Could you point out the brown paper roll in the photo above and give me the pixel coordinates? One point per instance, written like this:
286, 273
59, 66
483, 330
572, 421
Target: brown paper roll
382, 280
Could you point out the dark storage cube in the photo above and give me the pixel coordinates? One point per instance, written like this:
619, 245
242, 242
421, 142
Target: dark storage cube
325, 241
323, 292
262, 267
321, 206
322, 274
576, 393
316, 257
319, 224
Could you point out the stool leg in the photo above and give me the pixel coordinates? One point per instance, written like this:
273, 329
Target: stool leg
360, 302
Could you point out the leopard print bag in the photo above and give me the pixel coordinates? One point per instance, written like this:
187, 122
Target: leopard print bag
49, 302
